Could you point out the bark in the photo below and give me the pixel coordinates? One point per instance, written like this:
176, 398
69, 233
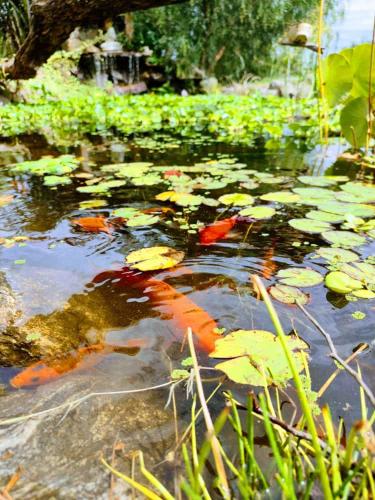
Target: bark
52, 21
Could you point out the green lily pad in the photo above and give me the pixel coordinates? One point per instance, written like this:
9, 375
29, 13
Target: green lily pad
320, 181
126, 212
288, 294
142, 220
314, 193
146, 180
102, 187
364, 294
325, 216
236, 199
56, 180
337, 255
84, 205
281, 197
339, 282
64, 164
259, 213
299, 277
309, 225
345, 239
357, 209
361, 190
258, 357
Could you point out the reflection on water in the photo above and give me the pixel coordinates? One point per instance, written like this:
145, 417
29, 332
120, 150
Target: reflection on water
57, 301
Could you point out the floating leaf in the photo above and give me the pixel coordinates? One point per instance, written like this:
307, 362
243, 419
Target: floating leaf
142, 220
92, 224
324, 216
309, 226
319, 181
360, 189
308, 194
258, 213
236, 199
154, 258
56, 180
299, 277
337, 255
358, 315
102, 187
288, 294
257, 357
364, 294
340, 282
92, 204
146, 180
281, 197
345, 239
61, 165
126, 212
359, 210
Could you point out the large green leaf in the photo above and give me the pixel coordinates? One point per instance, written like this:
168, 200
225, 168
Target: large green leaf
258, 357
354, 121
337, 77
309, 225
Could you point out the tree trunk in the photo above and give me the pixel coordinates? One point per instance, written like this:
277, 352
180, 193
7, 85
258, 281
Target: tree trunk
52, 21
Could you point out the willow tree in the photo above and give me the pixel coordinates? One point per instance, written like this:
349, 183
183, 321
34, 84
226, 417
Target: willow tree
219, 37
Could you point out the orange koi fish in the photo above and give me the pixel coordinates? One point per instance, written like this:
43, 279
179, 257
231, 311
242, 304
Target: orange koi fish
269, 267
216, 231
166, 299
45, 371
93, 224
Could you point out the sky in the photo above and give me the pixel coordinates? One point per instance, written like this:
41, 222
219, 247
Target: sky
356, 25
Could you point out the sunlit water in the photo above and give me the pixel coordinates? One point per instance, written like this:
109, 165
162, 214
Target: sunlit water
51, 280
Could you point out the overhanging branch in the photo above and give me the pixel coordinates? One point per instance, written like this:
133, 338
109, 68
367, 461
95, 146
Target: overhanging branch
52, 21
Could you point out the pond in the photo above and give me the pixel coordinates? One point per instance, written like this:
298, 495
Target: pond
75, 320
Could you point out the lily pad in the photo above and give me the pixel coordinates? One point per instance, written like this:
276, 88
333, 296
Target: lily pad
288, 294
309, 226
364, 294
281, 197
56, 180
357, 209
360, 189
299, 277
257, 357
84, 205
337, 255
345, 239
339, 282
102, 187
126, 212
142, 220
154, 258
314, 193
258, 213
321, 180
325, 216
236, 199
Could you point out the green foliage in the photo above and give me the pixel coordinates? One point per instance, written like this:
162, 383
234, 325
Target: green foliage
217, 37
346, 79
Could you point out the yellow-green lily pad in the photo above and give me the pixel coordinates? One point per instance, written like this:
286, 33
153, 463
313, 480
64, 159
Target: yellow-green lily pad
281, 197
289, 294
256, 357
237, 199
299, 277
339, 282
309, 225
345, 239
154, 258
258, 213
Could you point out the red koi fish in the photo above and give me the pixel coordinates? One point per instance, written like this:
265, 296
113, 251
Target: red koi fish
216, 231
45, 371
166, 299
